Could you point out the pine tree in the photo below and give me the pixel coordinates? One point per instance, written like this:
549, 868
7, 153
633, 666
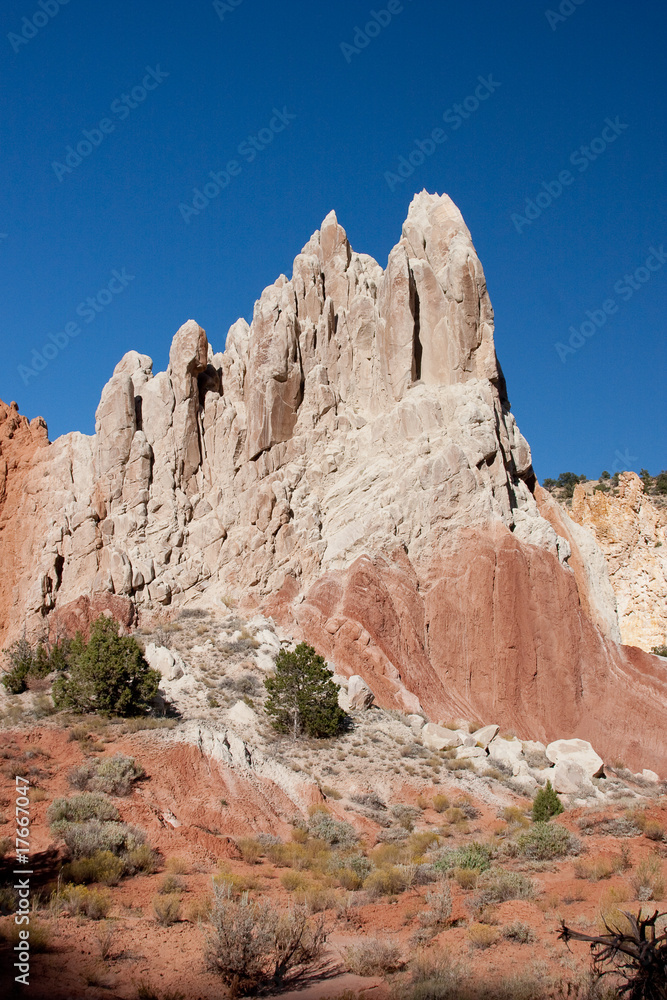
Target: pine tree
546, 804
108, 674
302, 696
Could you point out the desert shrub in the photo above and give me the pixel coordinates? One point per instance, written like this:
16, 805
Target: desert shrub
654, 830
604, 826
476, 856
368, 799
514, 816
171, 884
385, 881
86, 839
198, 911
109, 674
418, 843
5, 846
466, 878
80, 808
348, 879
141, 858
40, 935
167, 909
331, 793
518, 932
294, 881
498, 884
647, 880
26, 661
467, 808
253, 945
102, 867
302, 698
251, 850
8, 900
335, 832
599, 868
439, 908
177, 866
440, 803
482, 936
545, 841
79, 901
546, 804
405, 815
113, 775
373, 957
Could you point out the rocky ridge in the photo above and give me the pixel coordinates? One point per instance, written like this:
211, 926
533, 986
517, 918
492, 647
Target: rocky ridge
350, 466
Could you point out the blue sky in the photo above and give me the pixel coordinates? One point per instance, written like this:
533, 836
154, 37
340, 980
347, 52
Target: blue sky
214, 77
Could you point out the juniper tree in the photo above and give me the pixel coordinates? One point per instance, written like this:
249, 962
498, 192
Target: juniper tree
108, 674
302, 696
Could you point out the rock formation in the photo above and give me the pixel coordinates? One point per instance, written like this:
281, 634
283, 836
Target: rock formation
350, 465
632, 533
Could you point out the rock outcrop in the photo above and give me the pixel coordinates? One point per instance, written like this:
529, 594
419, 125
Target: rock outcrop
632, 533
350, 465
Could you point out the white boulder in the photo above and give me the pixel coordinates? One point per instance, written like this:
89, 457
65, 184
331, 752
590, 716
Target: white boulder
579, 752
436, 737
569, 778
168, 663
484, 735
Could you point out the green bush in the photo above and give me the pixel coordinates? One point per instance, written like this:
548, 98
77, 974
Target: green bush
302, 696
102, 867
86, 839
546, 804
27, 661
80, 808
113, 775
109, 674
92, 903
472, 856
545, 841
335, 832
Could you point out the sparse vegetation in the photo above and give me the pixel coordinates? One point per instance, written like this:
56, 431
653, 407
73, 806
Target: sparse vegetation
251, 944
373, 957
166, 908
113, 775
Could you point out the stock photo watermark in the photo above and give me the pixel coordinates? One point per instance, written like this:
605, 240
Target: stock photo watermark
454, 117
581, 158
248, 149
624, 288
221, 8
22, 885
31, 26
378, 21
566, 9
121, 108
88, 311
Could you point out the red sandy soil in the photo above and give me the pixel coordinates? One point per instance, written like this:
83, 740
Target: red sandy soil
190, 786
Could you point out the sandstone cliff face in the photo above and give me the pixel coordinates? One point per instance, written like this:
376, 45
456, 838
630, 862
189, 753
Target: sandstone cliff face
350, 464
632, 534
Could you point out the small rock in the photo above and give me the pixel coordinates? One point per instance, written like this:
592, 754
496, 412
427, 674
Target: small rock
242, 714
360, 695
650, 776
416, 722
169, 664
